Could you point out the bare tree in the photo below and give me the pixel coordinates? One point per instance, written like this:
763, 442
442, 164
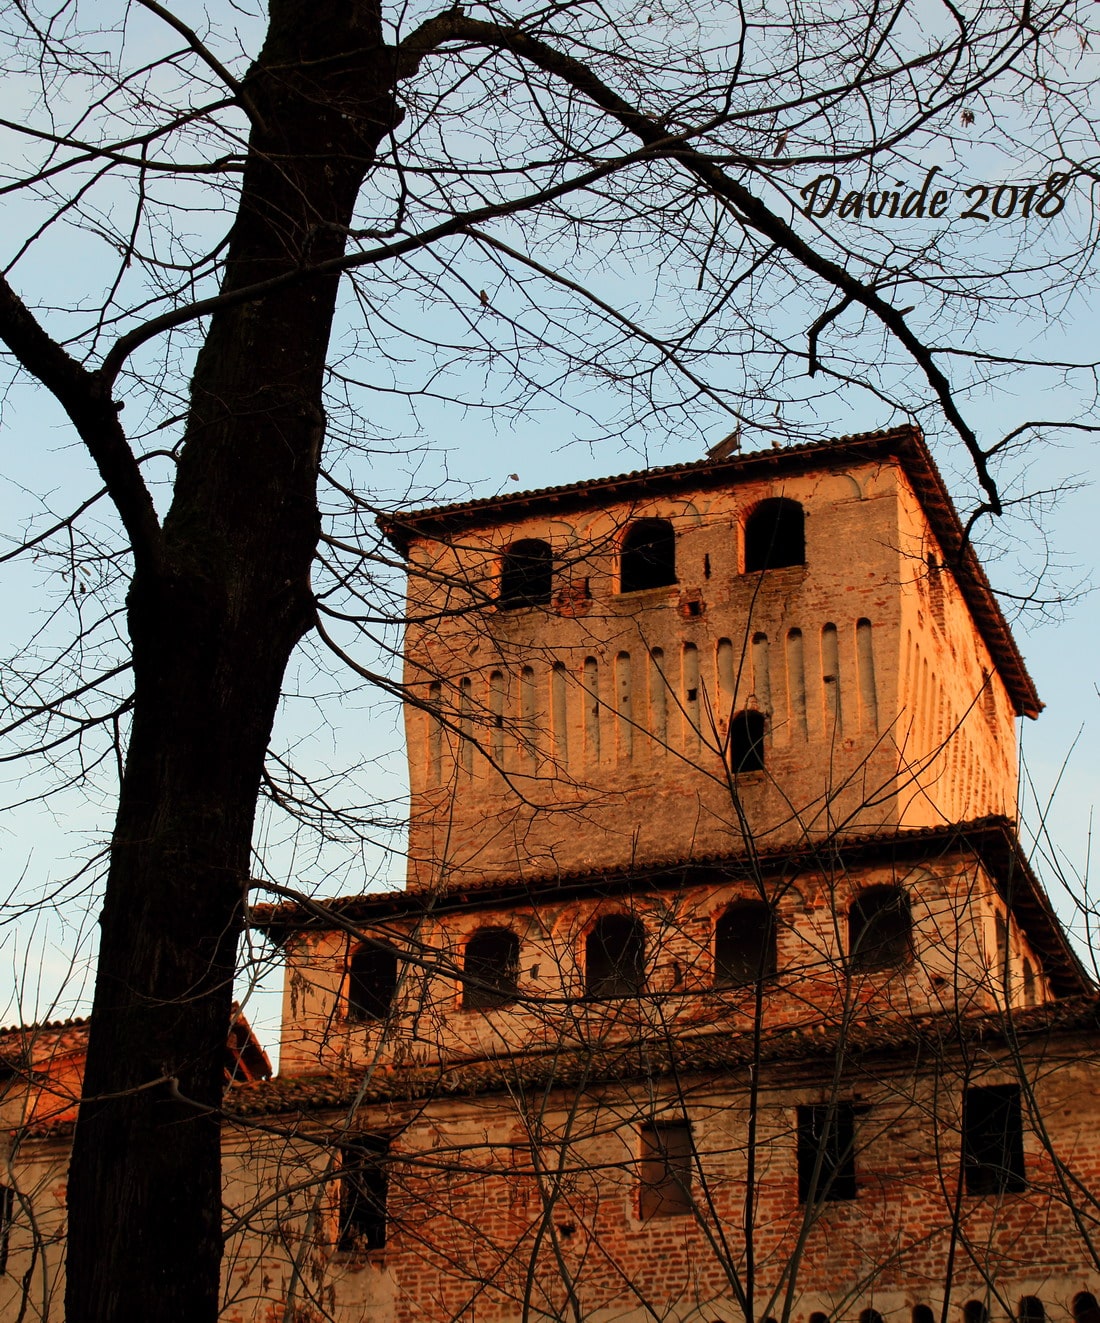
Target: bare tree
396, 148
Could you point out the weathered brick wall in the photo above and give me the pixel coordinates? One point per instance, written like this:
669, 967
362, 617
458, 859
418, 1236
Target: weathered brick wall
590, 732
955, 728
955, 963
501, 1208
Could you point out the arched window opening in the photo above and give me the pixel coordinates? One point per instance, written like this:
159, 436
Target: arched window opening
818, 1317
975, 1312
648, 556
490, 969
870, 1316
1085, 1308
747, 742
880, 928
744, 945
526, 574
923, 1314
614, 957
775, 535
372, 983
1031, 1310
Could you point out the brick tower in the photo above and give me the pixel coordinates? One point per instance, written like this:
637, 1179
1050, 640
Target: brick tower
763, 708
720, 986
773, 648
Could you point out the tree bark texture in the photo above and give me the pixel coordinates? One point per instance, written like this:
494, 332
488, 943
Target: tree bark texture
213, 620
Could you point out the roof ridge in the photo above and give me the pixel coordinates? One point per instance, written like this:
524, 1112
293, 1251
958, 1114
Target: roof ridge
391, 523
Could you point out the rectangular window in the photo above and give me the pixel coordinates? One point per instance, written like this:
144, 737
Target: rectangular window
7, 1214
665, 1169
993, 1140
364, 1185
826, 1133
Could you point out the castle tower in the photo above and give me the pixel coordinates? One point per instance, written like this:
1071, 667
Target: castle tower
755, 714
758, 652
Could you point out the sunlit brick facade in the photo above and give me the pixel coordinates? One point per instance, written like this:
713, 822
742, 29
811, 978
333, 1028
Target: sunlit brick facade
720, 987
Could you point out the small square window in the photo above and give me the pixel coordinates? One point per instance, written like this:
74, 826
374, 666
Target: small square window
827, 1133
993, 1140
665, 1170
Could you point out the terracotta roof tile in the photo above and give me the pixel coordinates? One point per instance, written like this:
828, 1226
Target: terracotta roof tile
305, 1096
645, 1058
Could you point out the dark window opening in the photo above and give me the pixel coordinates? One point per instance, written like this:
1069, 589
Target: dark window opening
775, 535
880, 928
665, 1169
819, 1318
993, 1140
826, 1136
526, 574
7, 1216
490, 969
648, 556
1003, 971
744, 945
923, 1314
975, 1312
1029, 984
1085, 1308
364, 1186
747, 742
1031, 1310
870, 1316
372, 983
614, 958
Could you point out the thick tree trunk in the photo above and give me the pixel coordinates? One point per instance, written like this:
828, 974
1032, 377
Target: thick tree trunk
212, 633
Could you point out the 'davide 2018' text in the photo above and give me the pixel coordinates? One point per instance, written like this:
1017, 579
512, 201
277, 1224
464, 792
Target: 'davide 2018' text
826, 196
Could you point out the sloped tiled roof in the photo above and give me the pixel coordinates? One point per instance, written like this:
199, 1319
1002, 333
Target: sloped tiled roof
437, 520
648, 1058
310, 1097
18, 1042
45, 1062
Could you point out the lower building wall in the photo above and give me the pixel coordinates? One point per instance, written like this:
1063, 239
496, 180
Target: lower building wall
530, 1204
